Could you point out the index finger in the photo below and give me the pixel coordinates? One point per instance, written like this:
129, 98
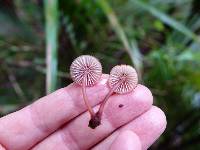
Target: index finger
26, 127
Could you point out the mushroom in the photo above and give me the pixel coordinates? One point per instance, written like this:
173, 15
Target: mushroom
123, 79
86, 70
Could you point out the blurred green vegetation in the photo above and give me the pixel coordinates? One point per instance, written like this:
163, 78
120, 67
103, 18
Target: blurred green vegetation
160, 38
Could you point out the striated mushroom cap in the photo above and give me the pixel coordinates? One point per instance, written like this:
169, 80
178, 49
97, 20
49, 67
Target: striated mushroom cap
88, 66
126, 73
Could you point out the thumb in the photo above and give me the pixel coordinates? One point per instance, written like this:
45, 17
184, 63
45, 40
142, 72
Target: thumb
126, 140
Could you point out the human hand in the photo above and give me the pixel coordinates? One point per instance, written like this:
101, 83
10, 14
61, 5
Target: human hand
59, 121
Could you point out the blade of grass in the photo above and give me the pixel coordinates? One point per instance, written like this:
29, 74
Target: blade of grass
51, 16
131, 48
166, 19
16, 86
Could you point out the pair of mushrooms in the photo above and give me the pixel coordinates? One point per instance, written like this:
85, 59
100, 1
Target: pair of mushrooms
86, 71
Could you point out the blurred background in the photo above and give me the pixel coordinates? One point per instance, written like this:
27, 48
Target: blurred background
160, 38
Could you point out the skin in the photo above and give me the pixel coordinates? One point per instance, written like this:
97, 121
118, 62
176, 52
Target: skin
127, 140
60, 121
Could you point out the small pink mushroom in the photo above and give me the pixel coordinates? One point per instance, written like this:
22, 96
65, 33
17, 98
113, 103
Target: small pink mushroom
86, 71
122, 79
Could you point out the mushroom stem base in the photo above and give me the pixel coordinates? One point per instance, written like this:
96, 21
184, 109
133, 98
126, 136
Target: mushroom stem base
95, 121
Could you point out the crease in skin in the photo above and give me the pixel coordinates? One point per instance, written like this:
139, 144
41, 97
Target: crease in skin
126, 140
39, 120
35, 117
66, 139
2, 147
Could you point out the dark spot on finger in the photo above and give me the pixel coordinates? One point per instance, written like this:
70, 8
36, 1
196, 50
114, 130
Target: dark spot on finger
121, 105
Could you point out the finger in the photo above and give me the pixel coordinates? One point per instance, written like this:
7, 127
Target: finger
148, 127
25, 128
126, 140
77, 135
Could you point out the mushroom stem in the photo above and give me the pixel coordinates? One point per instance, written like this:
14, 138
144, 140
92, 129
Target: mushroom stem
91, 111
100, 111
96, 119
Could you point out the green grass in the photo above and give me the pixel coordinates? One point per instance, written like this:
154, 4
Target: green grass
130, 45
166, 19
51, 16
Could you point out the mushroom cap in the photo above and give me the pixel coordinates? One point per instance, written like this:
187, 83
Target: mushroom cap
126, 73
88, 66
